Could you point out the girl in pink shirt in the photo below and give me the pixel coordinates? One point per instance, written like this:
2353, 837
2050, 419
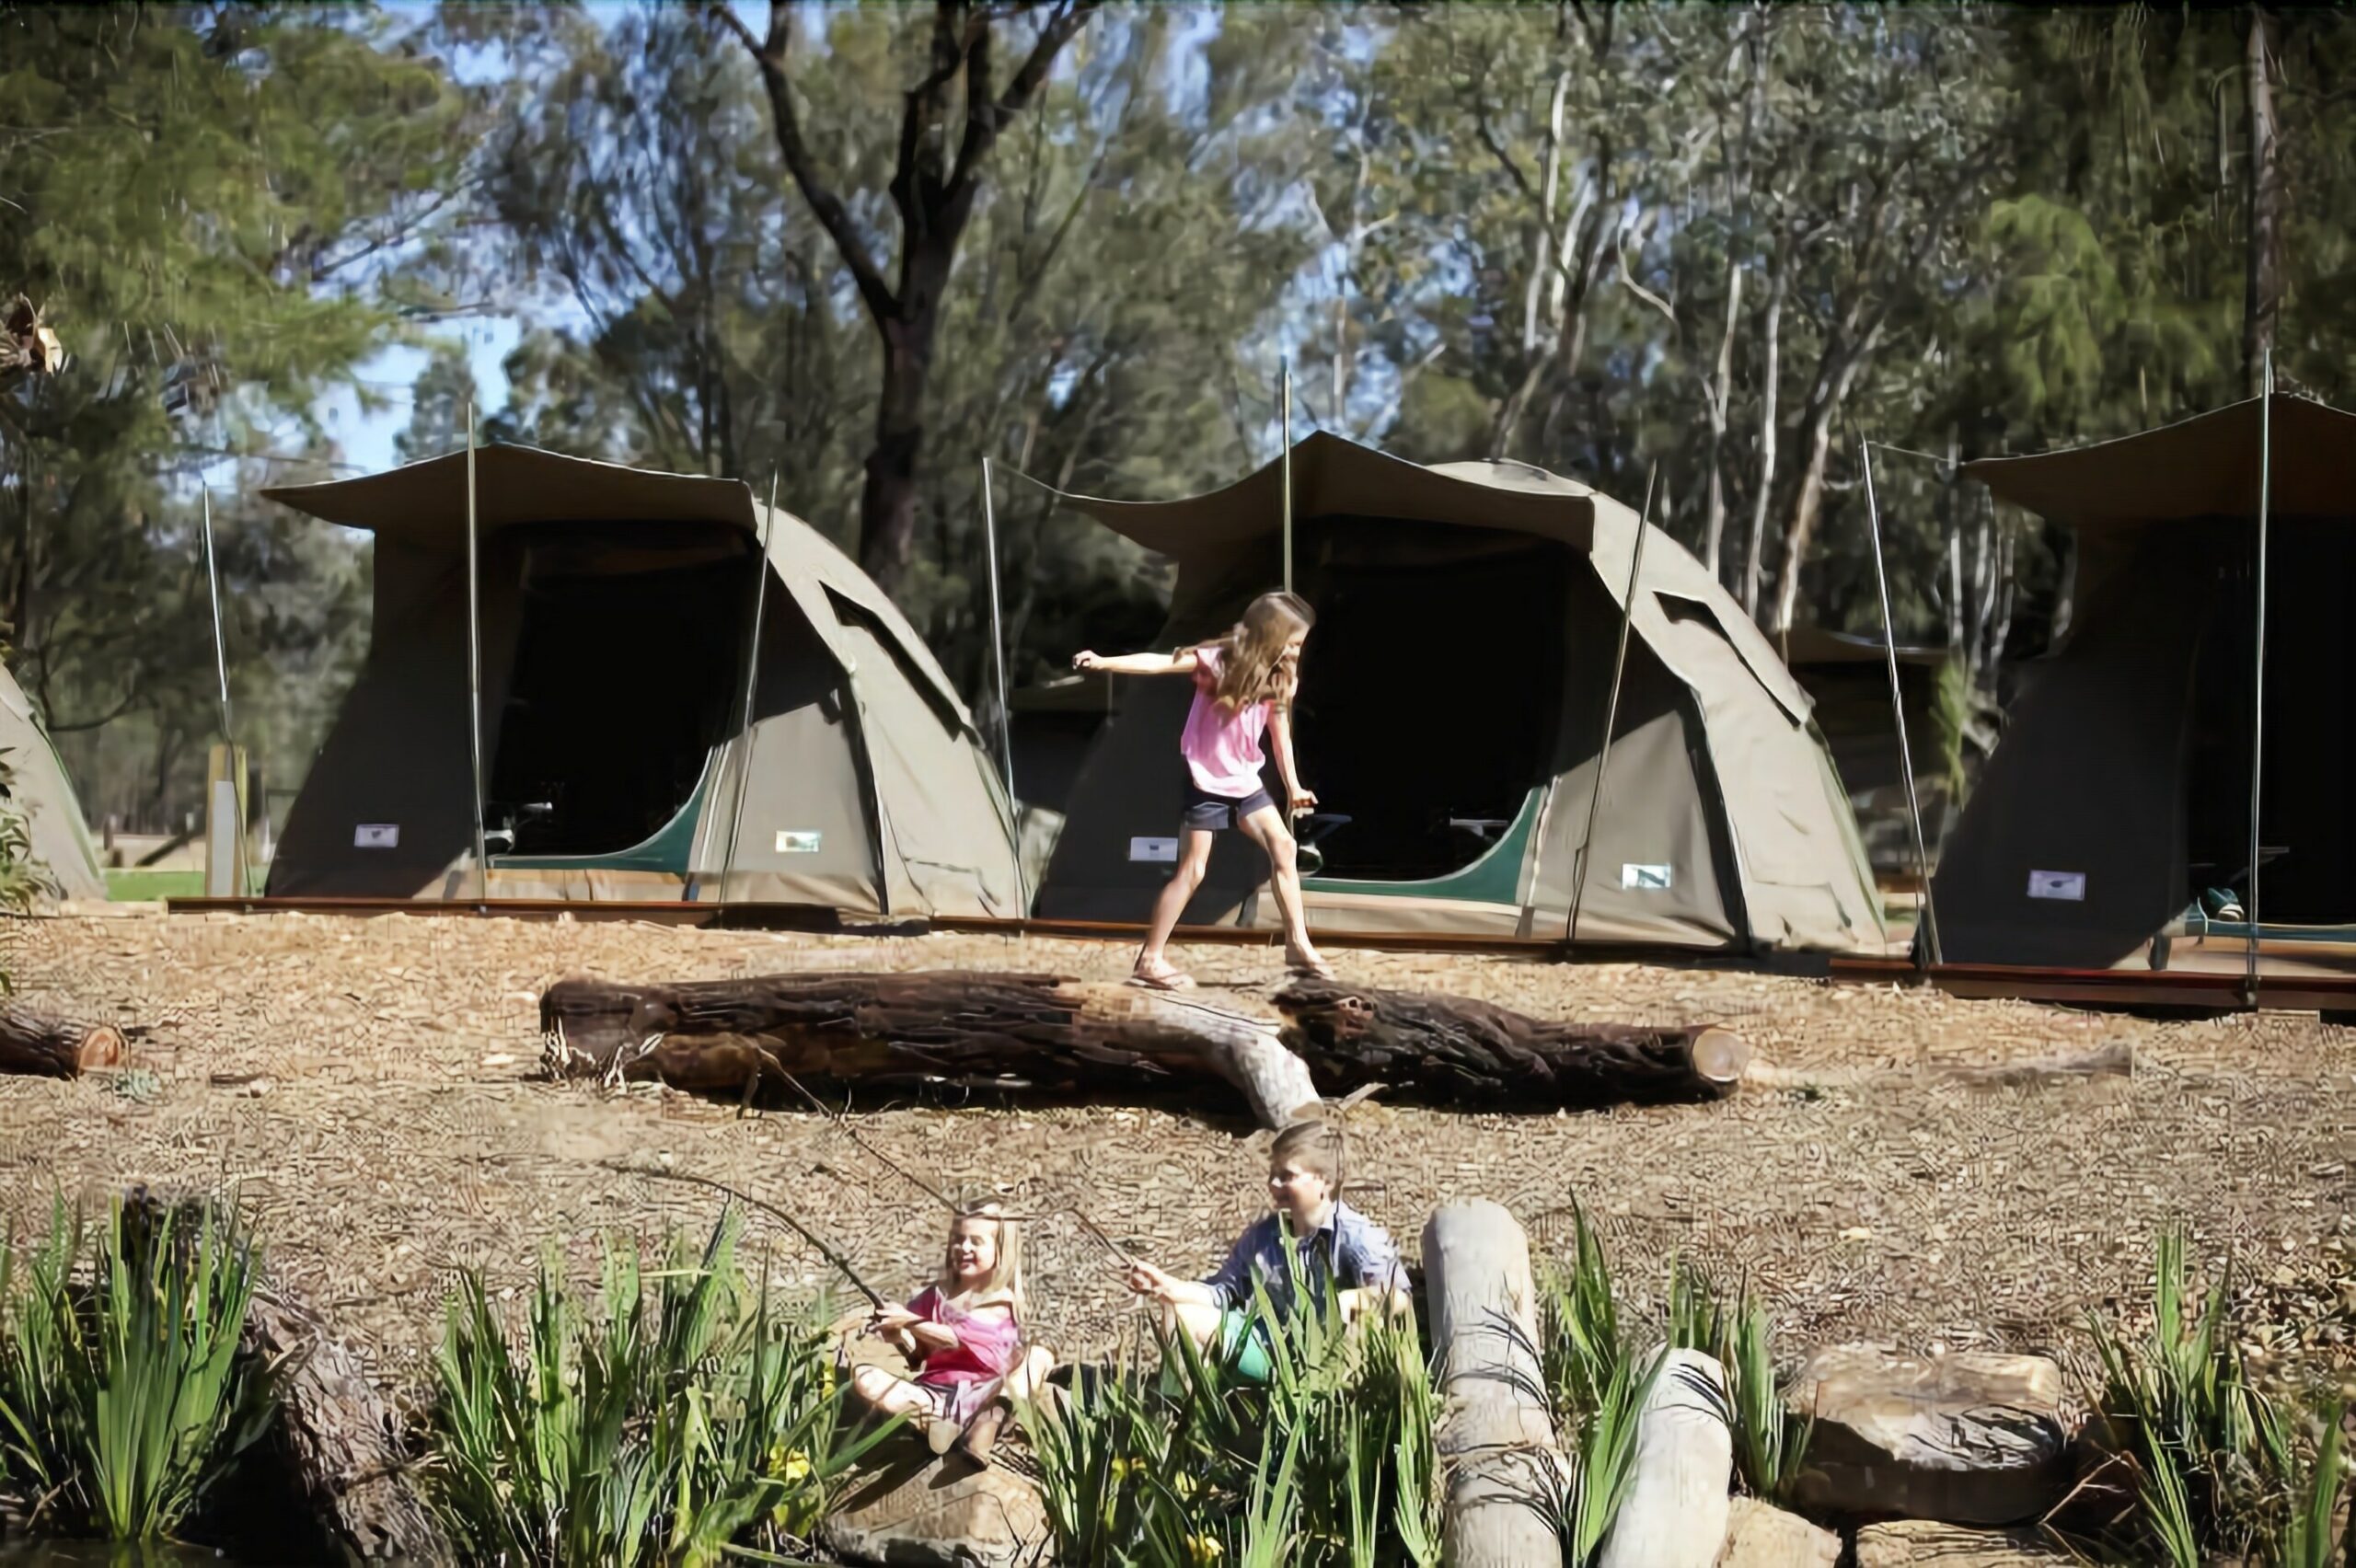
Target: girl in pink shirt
964, 1335
1244, 690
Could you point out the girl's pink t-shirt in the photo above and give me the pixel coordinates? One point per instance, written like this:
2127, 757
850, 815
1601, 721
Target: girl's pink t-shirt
1221, 749
987, 1340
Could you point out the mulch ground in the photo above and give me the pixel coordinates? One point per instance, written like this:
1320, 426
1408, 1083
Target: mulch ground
367, 1090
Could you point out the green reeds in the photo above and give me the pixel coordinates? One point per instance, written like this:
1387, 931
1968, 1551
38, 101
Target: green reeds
677, 1418
1329, 1461
2221, 1469
122, 1386
1591, 1354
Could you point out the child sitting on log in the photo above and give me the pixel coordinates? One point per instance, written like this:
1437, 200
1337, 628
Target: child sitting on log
1311, 1242
964, 1334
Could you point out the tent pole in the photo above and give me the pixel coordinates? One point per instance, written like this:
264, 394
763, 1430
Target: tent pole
998, 659
1611, 712
220, 673
1931, 954
1285, 402
2258, 697
752, 684
474, 664
997, 632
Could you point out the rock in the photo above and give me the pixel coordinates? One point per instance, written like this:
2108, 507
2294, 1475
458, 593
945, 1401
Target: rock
1971, 1438
1919, 1543
1759, 1534
910, 1510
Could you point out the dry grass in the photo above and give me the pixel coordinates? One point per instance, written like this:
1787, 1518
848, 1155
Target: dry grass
365, 1089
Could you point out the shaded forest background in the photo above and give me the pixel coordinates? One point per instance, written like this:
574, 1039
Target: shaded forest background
859, 246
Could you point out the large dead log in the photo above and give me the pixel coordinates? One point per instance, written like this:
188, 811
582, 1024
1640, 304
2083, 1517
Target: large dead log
1461, 1052
960, 1030
43, 1045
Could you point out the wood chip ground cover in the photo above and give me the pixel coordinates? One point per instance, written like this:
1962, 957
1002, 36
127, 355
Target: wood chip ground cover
366, 1090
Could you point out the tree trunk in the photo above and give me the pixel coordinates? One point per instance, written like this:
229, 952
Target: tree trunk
39, 1044
1807, 500
887, 505
1460, 1052
2262, 302
1046, 1032
1495, 1439
1713, 516
1778, 287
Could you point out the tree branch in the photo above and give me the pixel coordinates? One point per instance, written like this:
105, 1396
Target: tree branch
825, 205
982, 126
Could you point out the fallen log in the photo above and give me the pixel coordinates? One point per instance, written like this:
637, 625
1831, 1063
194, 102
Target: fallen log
42, 1045
340, 1440
950, 1029
1462, 1052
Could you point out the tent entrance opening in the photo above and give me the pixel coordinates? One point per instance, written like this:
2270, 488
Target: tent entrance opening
2306, 835
624, 668
1431, 691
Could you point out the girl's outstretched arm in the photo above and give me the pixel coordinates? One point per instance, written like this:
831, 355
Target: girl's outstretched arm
1179, 664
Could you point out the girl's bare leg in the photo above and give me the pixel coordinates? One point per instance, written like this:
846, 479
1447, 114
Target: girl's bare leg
892, 1396
1193, 863
1267, 829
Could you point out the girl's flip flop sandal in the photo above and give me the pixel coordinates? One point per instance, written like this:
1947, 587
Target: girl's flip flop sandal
1163, 979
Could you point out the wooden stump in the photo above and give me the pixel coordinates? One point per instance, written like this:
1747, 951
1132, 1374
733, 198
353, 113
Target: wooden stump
1675, 1512
1460, 1052
1495, 1437
969, 1030
43, 1045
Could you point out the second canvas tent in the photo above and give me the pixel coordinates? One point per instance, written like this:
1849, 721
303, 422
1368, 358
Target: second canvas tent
1452, 708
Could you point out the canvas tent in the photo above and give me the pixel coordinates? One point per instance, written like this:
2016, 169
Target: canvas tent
1452, 708
37, 787
2121, 788
615, 610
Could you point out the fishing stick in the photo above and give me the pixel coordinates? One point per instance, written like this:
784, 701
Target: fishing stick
841, 1265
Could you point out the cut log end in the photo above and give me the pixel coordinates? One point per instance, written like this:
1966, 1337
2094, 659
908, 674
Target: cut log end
1720, 1058
102, 1047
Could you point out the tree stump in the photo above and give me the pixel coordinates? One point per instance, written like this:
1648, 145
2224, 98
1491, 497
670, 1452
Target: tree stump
43, 1045
1461, 1052
1675, 1512
1494, 1436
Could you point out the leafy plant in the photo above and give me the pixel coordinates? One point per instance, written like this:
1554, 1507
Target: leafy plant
2221, 1468
663, 1426
1330, 1462
125, 1398
1770, 1441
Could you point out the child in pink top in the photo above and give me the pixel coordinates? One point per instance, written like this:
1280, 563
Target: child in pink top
1243, 689
964, 1334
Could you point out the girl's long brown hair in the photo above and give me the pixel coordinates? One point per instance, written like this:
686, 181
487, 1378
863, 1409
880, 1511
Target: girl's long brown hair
1252, 655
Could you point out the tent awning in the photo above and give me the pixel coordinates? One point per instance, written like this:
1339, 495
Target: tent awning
1336, 477
425, 504
2203, 466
